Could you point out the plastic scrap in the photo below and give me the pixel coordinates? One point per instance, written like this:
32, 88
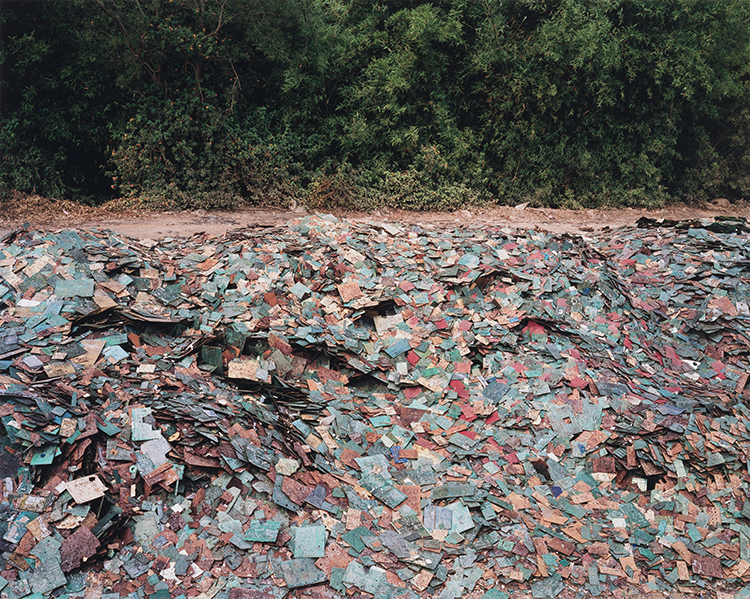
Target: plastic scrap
387, 410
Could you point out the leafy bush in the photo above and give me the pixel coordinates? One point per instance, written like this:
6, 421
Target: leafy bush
57, 101
607, 100
424, 105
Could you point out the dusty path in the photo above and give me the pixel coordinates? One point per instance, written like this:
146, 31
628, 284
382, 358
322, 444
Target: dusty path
45, 214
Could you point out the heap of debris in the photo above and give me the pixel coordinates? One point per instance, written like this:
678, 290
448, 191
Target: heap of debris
375, 409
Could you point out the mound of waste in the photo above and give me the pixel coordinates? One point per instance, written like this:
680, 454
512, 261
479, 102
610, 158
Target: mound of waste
336, 409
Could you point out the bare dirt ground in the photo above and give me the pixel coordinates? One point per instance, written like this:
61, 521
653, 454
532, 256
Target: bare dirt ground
48, 214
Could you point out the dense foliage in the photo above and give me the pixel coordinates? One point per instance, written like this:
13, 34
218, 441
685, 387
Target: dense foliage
417, 104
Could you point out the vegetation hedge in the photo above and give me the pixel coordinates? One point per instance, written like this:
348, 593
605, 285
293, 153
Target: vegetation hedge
426, 105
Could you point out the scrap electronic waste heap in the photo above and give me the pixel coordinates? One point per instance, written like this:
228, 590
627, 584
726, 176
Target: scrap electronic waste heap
336, 409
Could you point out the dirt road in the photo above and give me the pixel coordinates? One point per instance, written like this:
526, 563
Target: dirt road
46, 214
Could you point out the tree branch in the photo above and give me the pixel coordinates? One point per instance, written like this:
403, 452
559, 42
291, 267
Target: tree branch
221, 18
121, 26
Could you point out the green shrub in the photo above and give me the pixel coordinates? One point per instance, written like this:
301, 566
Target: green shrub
57, 101
613, 102
423, 105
